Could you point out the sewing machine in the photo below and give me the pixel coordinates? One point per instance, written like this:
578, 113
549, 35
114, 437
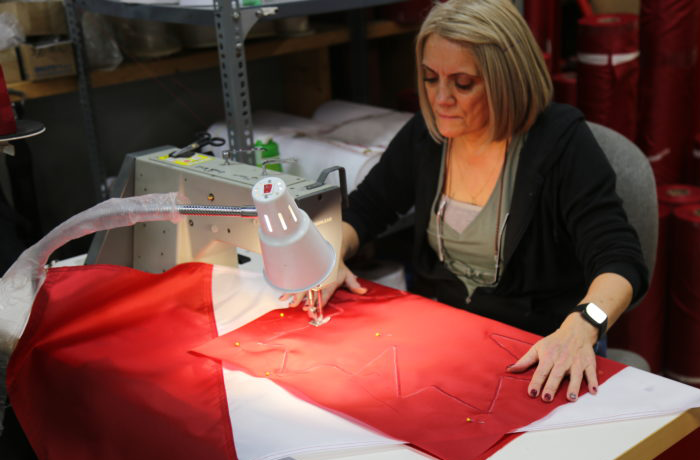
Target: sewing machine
204, 180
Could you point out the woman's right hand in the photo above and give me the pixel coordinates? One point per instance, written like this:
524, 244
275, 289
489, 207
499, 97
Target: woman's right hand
344, 278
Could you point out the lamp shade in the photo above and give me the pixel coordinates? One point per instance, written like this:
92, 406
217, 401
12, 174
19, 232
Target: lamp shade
295, 255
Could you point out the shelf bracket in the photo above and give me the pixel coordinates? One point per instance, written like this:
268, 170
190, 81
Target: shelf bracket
232, 25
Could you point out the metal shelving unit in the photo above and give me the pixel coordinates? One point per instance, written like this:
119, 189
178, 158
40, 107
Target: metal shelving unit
232, 22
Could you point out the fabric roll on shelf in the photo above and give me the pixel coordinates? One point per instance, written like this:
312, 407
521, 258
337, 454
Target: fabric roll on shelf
543, 18
360, 124
682, 357
7, 116
410, 12
668, 45
649, 316
565, 88
675, 195
608, 70
695, 154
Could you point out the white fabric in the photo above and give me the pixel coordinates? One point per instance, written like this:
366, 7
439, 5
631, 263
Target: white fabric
340, 133
607, 59
269, 423
629, 394
361, 124
295, 426
337, 112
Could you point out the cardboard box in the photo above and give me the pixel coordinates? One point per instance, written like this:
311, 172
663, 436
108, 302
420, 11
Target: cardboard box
10, 65
38, 18
44, 61
615, 6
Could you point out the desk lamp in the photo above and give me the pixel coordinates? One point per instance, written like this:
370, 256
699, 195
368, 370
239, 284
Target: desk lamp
296, 257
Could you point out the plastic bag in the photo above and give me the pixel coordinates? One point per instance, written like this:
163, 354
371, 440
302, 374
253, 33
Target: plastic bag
100, 42
11, 33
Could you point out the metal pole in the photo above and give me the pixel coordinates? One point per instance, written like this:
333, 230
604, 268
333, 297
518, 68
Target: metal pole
75, 29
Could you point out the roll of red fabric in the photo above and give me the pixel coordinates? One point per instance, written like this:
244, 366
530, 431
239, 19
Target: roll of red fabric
695, 154
650, 315
668, 45
535, 13
543, 18
8, 125
565, 87
675, 195
411, 12
682, 357
608, 70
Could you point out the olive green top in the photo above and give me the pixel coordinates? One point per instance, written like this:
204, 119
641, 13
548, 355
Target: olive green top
471, 241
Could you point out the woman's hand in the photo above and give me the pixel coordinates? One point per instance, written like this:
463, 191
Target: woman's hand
344, 278
567, 351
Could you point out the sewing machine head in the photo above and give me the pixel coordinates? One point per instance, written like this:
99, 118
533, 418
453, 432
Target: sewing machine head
157, 246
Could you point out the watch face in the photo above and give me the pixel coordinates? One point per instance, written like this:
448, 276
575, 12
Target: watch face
596, 313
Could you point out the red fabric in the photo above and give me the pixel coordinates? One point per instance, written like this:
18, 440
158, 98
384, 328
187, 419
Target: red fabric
650, 315
565, 88
695, 154
668, 46
607, 94
417, 370
543, 18
411, 12
675, 195
7, 116
103, 370
683, 347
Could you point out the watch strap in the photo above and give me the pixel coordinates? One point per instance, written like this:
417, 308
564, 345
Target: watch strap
602, 327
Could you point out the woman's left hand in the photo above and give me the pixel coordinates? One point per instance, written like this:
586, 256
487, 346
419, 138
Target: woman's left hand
567, 351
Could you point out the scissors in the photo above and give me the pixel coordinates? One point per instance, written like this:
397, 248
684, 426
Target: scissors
202, 140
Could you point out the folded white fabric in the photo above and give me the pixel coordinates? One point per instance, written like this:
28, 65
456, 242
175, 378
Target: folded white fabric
360, 124
340, 133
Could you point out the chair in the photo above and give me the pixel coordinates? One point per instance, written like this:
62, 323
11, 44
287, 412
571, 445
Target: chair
636, 187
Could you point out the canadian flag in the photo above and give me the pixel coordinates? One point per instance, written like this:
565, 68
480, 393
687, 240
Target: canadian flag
115, 363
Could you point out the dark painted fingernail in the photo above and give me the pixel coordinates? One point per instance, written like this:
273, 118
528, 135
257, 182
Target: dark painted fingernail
533, 393
594, 390
547, 397
573, 396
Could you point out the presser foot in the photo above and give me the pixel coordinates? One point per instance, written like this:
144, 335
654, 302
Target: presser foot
320, 321
314, 300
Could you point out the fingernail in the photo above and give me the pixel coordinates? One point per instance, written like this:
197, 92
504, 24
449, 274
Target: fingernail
533, 393
594, 390
573, 396
547, 397
510, 365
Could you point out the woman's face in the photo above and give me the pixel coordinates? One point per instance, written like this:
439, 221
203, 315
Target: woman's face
455, 89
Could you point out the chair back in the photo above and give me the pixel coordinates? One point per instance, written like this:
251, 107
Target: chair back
636, 187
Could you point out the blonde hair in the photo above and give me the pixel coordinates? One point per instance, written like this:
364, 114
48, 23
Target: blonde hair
518, 85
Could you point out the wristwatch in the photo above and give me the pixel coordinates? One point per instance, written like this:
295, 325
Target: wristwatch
594, 315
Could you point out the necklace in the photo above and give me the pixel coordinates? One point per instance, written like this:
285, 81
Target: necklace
500, 227
459, 167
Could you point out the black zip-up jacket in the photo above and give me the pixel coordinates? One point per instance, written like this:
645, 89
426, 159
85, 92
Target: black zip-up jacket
566, 223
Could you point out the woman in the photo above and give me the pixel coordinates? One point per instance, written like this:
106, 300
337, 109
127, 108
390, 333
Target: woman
516, 216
